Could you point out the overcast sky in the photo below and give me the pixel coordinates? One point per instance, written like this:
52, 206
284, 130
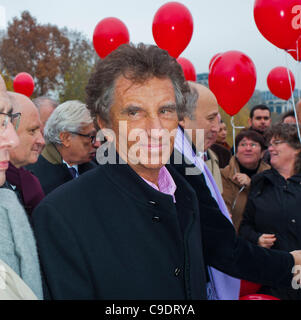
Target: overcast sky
219, 26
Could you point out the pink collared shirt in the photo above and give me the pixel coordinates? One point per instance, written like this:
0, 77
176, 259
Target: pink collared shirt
165, 182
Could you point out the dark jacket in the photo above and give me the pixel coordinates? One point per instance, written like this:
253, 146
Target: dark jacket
109, 235
224, 155
51, 171
227, 252
273, 207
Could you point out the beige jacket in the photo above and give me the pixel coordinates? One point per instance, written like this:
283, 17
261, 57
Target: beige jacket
12, 287
214, 168
234, 194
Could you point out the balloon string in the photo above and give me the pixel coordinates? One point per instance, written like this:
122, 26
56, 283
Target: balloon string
298, 66
233, 133
292, 97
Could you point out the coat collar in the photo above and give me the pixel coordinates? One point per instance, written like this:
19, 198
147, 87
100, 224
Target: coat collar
141, 192
233, 168
51, 154
275, 177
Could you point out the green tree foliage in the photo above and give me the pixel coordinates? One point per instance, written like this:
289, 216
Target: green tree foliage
82, 60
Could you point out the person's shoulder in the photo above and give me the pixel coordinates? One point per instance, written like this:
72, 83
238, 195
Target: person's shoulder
8, 198
259, 180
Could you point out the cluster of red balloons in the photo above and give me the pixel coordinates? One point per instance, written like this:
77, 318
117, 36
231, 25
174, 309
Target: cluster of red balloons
232, 78
24, 84
172, 31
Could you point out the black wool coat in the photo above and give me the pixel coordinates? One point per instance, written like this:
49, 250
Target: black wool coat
109, 235
53, 173
226, 251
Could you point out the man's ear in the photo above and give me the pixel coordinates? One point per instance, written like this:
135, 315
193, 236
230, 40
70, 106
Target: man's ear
106, 132
101, 123
65, 138
182, 123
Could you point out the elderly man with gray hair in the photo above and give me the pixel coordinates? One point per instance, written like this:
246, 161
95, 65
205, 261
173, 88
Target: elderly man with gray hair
70, 146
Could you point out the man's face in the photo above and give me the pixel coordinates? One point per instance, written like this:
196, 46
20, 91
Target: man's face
30, 136
261, 120
8, 137
147, 110
80, 148
206, 118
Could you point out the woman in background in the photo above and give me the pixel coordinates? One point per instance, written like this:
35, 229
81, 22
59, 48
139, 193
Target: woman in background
272, 218
236, 177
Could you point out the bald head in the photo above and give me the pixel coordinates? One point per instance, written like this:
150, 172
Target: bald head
21, 103
202, 114
31, 140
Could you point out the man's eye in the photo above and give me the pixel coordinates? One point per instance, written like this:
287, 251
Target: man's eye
132, 113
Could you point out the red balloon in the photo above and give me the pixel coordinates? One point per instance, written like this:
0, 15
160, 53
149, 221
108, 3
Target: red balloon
247, 287
108, 35
279, 84
295, 50
24, 84
232, 79
188, 69
212, 61
258, 297
173, 28
278, 21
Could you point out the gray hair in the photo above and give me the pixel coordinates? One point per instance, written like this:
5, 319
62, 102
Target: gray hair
191, 103
137, 64
39, 102
69, 116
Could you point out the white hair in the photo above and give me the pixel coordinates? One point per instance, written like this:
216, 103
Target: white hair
69, 116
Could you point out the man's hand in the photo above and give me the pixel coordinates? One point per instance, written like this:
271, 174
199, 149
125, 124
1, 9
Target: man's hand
267, 240
297, 256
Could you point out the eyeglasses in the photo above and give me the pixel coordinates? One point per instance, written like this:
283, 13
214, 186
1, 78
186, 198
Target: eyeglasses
92, 138
5, 118
252, 145
275, 143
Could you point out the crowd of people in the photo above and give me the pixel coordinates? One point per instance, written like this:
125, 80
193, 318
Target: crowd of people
190, 225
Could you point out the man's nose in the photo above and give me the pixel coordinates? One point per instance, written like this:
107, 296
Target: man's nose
96, 144
40, 139
153, 122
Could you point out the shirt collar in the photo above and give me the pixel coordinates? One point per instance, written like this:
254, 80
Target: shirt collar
75, 166
165, 182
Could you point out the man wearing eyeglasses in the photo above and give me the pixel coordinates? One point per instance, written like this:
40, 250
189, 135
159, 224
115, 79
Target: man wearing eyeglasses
70, 146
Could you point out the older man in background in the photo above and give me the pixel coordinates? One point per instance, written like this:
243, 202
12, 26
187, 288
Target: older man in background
45, 106
203, 115
26, 185
71, 145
